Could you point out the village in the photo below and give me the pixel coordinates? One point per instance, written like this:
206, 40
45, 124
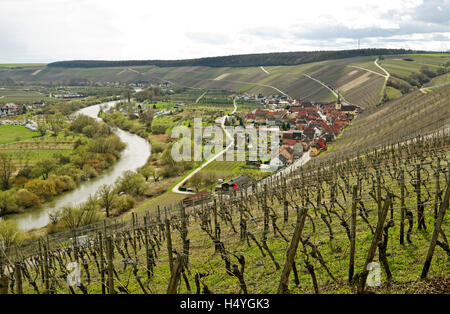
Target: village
15, 109
304, 126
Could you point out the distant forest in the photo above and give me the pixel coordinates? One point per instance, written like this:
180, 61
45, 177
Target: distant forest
249, 60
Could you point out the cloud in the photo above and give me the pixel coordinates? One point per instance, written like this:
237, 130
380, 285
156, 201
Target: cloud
394, 25
51, 30
208, 38
342, 31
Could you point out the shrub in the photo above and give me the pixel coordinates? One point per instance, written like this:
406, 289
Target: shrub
7, 202
45, 189
157, 147
123, 204
159, 128
89, 172
77, 216
26, 199
168, 172
69, 170
9, 233
132, 183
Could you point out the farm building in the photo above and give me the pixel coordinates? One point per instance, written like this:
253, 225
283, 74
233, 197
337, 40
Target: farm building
236, 183
196, 198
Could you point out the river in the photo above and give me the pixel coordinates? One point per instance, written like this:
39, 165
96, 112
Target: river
134, 156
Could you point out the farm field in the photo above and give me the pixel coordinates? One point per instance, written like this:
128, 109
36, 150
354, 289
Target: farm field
198, 79
34, 148
21, 95
223, 168
15, 133
399, 64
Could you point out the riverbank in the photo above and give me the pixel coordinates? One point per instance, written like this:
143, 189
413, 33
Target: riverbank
132, 157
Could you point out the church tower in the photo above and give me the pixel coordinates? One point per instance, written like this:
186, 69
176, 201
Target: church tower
338, 103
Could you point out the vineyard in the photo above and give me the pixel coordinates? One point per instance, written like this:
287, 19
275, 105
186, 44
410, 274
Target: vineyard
317, 230
31, 151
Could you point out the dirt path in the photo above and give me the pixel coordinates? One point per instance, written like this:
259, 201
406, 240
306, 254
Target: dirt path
361, 68
323, 84
201, 96
264, 70
382, 69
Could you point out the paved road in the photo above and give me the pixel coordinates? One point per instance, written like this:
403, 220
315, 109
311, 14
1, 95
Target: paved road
176, 188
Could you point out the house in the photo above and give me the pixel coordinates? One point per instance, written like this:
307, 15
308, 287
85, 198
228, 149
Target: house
239, 182
196, 198
329, 137
309, 133
286, 154
289, 142
352, 109
314, 151
10, 109
297, 135
333, 129
298, 150
274, 164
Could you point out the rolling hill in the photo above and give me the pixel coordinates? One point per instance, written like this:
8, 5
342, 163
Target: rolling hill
357, 78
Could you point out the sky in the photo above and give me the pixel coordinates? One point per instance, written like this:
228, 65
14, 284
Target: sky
55, 30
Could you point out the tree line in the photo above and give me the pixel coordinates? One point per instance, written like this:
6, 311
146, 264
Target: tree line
248, 60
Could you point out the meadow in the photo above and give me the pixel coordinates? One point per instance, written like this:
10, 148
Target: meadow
15, 133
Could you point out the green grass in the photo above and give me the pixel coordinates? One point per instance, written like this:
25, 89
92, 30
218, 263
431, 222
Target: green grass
393, 93
15, 133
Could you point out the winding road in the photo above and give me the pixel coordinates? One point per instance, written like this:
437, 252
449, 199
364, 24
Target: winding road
176, 188
386, 77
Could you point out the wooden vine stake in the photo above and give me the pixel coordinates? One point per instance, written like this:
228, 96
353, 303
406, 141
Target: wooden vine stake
373, 246
351, 267
443, 208
176, 274
109, 258
292, 250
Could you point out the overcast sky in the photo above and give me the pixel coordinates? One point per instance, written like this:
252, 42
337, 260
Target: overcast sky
52, 30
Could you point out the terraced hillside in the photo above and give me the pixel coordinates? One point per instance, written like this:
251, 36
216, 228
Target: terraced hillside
357, 78
414, 113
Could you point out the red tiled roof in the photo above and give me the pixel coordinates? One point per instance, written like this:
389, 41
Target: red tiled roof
290, 142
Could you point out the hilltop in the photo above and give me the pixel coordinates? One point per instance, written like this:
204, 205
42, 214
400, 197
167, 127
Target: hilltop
353, 75
247, 60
